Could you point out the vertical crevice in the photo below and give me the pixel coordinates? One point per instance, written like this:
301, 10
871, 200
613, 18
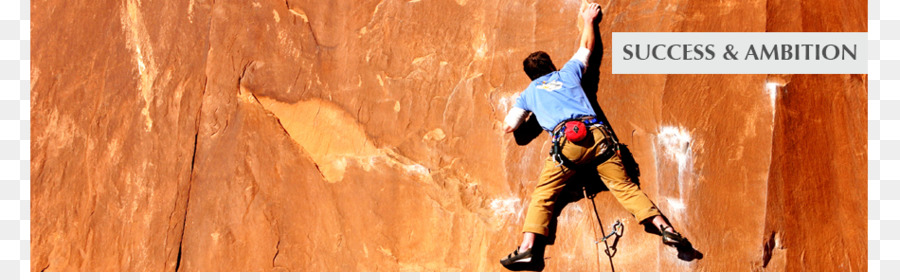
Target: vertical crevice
197, 125
768, 249
187, 199
277, 251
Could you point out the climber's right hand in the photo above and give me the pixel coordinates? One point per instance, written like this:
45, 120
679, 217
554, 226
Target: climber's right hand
591, 12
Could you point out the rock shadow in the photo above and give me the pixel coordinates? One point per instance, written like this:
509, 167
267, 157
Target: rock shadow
528, 131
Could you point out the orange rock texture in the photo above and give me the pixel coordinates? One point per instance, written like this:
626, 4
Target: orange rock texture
254, 135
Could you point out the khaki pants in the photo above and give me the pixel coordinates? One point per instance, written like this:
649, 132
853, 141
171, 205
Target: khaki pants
612, 173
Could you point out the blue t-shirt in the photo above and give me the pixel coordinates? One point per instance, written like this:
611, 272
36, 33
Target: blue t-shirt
557, 96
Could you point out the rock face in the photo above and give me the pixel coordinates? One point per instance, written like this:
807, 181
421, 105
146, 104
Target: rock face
365, 136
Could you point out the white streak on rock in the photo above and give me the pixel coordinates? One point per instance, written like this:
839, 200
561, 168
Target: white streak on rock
772, 89
505, 207
676, 145
676, 204
417, 169
506, 101
139, 41
674, 165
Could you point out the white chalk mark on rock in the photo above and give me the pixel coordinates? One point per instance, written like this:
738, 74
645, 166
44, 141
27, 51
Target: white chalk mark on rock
417, 169
675, 170
139, 41
676, 143
676, 204
505, 207
506, 102
436, 135
772, 89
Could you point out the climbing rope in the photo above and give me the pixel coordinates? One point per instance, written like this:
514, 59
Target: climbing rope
618, 228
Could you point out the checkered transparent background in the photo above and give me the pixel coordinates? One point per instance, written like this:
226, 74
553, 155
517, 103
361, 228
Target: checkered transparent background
884, 178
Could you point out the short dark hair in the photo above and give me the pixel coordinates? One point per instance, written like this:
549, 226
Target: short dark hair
538, 64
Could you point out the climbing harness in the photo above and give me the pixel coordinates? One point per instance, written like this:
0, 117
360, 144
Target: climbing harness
574, 130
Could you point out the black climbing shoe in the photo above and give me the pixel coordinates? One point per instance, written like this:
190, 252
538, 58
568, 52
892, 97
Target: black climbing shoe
672, 238
517, 257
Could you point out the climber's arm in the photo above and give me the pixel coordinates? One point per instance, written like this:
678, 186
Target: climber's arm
589, 14
514, 119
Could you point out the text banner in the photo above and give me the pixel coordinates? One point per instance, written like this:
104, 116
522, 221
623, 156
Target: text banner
739, 53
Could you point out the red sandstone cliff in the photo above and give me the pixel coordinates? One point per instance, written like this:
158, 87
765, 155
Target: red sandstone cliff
363, 135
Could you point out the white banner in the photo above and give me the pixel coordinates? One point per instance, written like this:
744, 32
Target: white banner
739, 53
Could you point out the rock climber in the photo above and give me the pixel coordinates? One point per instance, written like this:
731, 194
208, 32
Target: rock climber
558, 101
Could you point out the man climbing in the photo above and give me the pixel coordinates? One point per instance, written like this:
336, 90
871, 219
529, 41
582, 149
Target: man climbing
558, 101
